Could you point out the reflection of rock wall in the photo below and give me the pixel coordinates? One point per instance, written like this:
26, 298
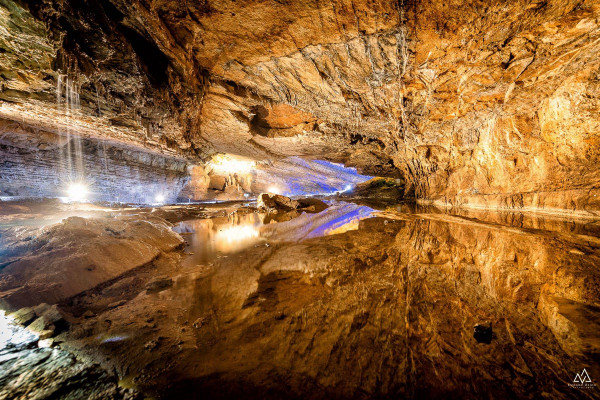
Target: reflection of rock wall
36, 166
385, 311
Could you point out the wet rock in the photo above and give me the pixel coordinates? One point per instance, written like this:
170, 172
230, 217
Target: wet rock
483, 333
45, 343
24, 316
33, 369
62, 253
311, 205
50, 322
276, 201
46, 334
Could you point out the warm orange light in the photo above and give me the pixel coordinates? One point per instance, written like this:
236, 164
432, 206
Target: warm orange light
227, 164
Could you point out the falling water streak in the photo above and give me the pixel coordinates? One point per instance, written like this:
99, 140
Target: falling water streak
69, 105
105, 158
64, 156
75, 106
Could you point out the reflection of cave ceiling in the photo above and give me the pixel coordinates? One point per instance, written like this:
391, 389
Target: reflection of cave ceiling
473, 102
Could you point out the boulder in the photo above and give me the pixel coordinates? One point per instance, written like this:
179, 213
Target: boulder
276, 201
23, 316
312, 205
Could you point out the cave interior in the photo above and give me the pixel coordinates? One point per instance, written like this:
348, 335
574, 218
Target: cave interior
299, 199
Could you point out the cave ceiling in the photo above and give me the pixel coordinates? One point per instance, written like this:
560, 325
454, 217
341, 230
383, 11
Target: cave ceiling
463, 99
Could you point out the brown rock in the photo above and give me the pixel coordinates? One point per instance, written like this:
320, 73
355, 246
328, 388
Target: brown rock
276, 201
217, 182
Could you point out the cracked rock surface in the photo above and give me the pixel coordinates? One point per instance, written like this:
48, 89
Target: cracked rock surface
485, 104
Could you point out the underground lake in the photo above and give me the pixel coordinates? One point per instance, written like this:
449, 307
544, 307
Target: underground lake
285, 199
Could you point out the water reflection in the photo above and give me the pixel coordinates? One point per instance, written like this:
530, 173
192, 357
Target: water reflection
343, 305
388, 310
207, 237
210, 238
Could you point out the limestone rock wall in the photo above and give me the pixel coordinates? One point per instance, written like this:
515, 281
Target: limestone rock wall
35, 165
489, 104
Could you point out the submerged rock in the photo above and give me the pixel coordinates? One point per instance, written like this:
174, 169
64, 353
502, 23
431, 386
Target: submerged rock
77, 254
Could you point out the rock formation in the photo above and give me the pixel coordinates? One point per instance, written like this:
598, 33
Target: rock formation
486, 104
76, 255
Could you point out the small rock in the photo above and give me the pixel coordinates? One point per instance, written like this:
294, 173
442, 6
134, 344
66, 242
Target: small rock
40, 309
312, 205
88, 314
41, 325
46, 334
46, 343
276, 201
53, 314
24, 316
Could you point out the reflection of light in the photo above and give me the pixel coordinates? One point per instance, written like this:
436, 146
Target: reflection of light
77, 191
348, 188
274, 189
160, 198
227, 164
235, 237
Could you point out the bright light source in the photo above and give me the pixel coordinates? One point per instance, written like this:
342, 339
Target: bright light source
274, 189
160, 198
348, 188
77, 191
227, 164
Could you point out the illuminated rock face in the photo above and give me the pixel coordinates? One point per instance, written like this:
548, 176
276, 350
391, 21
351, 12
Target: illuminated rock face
34, 164
490, 103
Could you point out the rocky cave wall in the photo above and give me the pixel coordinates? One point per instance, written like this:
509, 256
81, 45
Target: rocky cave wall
36, 165
483, 103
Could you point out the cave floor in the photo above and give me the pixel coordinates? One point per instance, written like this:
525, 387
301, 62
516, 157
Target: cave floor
387, 301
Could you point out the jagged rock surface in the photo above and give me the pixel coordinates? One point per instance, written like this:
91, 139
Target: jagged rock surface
29, 371
479, 103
